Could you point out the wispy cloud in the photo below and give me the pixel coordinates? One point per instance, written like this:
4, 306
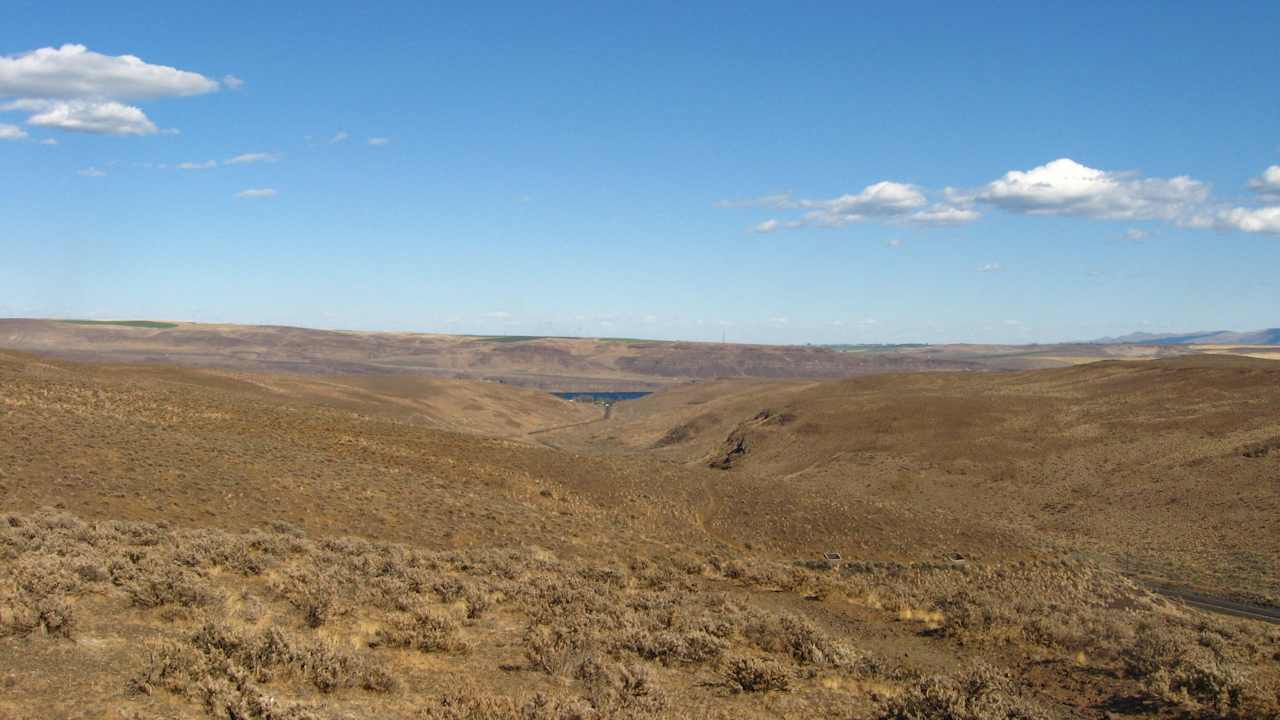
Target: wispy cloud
990, 267
339, 136
777, 200
377, 141
1136, 234
91, 172
231, 82
257, 193
249, 158
770, 226
245, 159
12, 132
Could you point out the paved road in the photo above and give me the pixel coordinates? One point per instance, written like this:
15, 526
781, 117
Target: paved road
1221, 605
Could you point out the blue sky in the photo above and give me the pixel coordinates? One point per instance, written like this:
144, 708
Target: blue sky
776, 172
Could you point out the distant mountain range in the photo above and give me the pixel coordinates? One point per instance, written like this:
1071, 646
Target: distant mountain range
1270, 336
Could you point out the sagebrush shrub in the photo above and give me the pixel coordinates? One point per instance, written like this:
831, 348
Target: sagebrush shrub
751, 674
423, 630
982, 693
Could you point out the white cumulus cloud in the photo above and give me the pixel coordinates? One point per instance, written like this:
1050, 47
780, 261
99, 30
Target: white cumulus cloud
106, 118
1062, 187
1267, 184
1264, 219
884, 201
944, 215
74, 71
257, 193
12, 132
73, 88
1065, 187
1251, 220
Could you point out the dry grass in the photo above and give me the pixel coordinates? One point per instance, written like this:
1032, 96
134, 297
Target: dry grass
211, 569
230, 628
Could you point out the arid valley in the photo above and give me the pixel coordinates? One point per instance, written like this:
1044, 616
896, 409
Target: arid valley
211, 540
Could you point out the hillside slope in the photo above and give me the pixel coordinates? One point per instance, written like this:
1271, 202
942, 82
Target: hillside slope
539, 362
181, 543
1168, 467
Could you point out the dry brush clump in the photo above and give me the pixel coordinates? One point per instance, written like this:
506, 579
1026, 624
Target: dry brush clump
421, 629
227, 670
1195, 668
44, 566
482, 706
982, 693
753, 674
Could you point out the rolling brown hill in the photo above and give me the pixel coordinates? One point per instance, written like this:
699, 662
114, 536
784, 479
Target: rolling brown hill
192, 543
95, 438
1168, 467
549, 363
540, 362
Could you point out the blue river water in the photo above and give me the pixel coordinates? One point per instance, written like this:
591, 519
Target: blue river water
602, 396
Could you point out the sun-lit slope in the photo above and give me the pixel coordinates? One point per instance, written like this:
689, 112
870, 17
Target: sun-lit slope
199, 446
534, 361
1168, 466
473, 406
